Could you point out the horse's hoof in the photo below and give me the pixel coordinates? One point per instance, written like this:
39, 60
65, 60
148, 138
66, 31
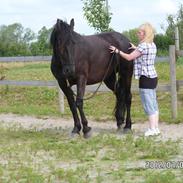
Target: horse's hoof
124, 131
119, 129
127, 131
74, 135
120, 124
87, 134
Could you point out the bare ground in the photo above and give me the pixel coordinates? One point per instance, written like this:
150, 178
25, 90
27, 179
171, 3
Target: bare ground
168, 131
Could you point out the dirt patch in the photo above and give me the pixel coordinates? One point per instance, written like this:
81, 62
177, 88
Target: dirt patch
168, 131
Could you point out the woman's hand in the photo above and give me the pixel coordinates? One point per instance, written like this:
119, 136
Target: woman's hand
113, 49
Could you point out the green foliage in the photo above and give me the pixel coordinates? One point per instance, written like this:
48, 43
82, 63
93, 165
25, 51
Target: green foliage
173, 21
41, 46
163, 41
97, 14
15, 40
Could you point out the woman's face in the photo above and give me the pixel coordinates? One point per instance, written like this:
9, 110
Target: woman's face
141, 34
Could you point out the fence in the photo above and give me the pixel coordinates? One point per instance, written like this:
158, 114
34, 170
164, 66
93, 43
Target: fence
48, 59
25, 59
173, 87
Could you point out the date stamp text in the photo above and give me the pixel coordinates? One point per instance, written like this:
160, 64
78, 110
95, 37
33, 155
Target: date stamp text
164, 164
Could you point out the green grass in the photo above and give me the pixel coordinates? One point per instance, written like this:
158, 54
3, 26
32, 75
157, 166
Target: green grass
164, 176
27, 71
50, 156
41, 101
41, 71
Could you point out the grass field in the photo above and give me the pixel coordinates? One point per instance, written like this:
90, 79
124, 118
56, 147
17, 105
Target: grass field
42, 101
50, 156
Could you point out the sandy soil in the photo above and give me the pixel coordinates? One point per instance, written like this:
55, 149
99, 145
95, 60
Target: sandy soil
168, 131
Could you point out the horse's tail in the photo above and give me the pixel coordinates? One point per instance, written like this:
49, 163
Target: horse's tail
117, 73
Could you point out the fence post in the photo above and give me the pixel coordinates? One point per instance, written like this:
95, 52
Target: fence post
177, 48
173, 80
61, 100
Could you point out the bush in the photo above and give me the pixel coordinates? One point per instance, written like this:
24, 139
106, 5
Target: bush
163, 41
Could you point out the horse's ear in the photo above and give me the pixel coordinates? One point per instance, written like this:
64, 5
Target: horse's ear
72, 23
58, 20
58, 24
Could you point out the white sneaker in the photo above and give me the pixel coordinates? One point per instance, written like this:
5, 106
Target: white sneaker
157, 131
150, 132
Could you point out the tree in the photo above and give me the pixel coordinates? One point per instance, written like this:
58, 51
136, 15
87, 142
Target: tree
162, 42
173, 21
97, 14
180, 25
15, 40
41, 46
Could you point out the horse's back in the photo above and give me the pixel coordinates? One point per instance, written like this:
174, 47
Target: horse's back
93, 55
117, 39
123, 43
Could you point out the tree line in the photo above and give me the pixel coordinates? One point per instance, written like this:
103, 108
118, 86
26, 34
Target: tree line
15, 40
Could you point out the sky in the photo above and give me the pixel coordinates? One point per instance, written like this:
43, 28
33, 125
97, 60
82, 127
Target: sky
126, 14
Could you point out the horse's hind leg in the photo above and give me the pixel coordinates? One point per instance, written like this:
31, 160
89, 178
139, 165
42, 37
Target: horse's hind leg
116, 87
120, 104
126, 77
128, 99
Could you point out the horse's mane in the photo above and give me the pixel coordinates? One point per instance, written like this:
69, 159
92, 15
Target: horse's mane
61, 30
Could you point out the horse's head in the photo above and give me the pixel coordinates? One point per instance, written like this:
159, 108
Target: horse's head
63, 46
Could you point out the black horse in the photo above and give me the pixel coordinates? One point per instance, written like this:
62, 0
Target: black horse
86, 60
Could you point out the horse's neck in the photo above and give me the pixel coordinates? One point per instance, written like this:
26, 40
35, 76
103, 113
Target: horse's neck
77, 37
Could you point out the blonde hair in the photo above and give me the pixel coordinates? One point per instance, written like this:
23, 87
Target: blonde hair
149, 32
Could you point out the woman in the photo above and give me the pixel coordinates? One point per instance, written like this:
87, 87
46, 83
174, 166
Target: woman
144, 70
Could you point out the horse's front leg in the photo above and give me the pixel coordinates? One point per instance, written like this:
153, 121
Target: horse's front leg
81, 84
71, 101
56, 70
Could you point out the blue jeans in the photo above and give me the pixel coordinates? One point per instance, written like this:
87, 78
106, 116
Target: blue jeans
149, 101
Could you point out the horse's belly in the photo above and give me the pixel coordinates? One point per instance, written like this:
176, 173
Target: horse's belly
95, 77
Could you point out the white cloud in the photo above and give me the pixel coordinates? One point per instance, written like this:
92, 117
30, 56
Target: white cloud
166, 6
131, 14
126, 14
